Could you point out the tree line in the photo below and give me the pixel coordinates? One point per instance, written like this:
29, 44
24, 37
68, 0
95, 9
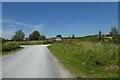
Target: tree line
35, 35
20, 36
113, 35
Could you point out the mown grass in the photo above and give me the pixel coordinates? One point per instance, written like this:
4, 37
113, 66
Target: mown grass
88, 59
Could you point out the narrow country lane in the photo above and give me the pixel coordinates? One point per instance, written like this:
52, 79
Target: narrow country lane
31, 62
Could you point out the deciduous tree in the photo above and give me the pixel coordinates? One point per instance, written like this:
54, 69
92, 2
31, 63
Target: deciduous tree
18, 36
35, 35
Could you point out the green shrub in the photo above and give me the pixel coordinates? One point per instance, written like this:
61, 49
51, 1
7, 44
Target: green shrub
9, 46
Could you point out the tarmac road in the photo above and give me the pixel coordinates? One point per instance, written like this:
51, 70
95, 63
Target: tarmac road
31, 62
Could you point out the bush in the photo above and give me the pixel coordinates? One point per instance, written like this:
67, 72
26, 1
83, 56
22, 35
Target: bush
9, 46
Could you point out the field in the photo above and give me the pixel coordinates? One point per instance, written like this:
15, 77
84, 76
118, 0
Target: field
88, 59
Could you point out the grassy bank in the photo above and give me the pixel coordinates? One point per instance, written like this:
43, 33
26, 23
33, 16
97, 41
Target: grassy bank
0, 48
13, 46
0, 53
35, 42
12, 51
10, 47
88, 59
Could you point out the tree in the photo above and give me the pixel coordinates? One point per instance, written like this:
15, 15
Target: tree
26, 39
114, 32
100, 35
35, 35
59, 35
69, 37
73, 36
18, 36
42, 37
2, 40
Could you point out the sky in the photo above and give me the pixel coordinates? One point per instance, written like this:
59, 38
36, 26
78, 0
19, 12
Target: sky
65, 18
60, 0
0, 19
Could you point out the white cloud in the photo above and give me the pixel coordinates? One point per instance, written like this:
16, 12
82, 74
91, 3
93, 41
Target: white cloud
39, 26
0, 20
0, 29
7, 21
14, 26
8, 33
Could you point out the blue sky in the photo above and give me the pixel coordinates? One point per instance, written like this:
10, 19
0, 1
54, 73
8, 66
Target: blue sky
55, 18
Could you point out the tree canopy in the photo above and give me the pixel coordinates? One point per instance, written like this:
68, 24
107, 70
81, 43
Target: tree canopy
18, 36
59, 35
73, 36
42, 37
114, 32
35, 35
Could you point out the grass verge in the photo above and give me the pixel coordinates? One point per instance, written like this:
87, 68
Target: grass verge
88, 59
0, 53
12, 51
10, 47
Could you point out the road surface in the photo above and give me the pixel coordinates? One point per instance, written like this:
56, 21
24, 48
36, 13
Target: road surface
0, 67
31, 62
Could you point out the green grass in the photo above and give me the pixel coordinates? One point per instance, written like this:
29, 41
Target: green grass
10, 47
35, 42
0, 53
88, 59
12, 51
